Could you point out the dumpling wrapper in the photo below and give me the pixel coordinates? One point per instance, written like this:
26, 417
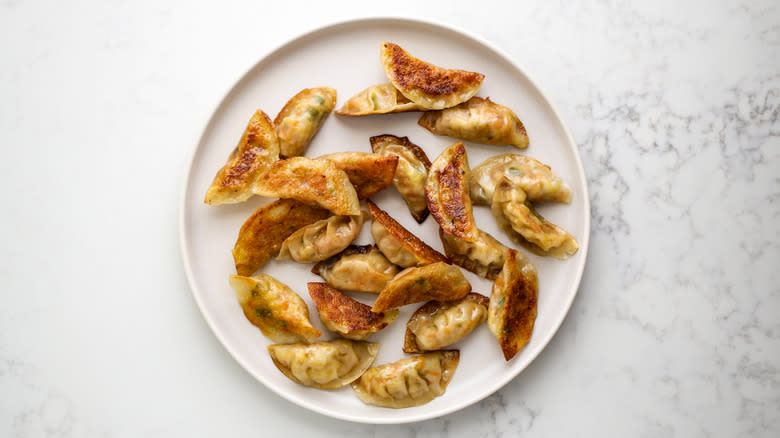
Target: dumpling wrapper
526, 226
322, 239
478, 120
369, 173
346, 316
436, 324
485, 257
447, 192
411, 172
257, 150
312, 181
301, 118
274, 308
409, 382
437, 281
357, 268
262, 234
398, 244
324, 364
535, 178
512, 309
429, 86
378, 99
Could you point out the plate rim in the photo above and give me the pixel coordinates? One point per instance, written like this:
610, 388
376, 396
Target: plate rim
381, 19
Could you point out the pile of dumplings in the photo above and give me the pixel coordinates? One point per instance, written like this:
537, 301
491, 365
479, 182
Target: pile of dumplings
319, 213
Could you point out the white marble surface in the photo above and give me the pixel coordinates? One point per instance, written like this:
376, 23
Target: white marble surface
675, 331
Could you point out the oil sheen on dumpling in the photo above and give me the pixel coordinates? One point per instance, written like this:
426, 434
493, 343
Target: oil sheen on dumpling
274, 308
378, 99
256, 151
535, 178
322, 239
369, 173
524, 224
357, 268
301, 118
413, 381
485, 257
312, 181
325, 364
436, 324
346, 316
397, 243
411, 172
447, 192
478, 120
261, 236
512, 309
438, 281
426, 84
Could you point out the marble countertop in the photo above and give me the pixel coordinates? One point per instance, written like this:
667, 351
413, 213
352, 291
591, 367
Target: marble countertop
674, 332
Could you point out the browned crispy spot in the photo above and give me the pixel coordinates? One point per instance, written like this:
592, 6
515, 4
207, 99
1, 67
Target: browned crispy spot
344, 311
369, 173
437, 281
255, 152
409, 71
262, 234
411, 242
429, 308
517, 289
447, 193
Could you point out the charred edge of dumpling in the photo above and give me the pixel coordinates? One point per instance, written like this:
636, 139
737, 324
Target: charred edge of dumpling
343, 310
350, 250
409, 71
404, 236
379, 140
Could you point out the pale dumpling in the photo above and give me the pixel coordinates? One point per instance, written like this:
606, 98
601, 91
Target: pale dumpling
301, 118
411, 172
325, 364
413, 381
357, 268
378, 99
484, 257
322, 239
524, 224
437, 324
535, 178
274, 308
478, 120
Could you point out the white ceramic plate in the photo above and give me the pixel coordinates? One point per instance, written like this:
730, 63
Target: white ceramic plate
345, 56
